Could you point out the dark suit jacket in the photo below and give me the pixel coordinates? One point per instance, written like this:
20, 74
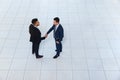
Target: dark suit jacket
35, 34
58, 34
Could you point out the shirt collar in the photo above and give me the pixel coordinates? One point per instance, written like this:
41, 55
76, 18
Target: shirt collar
57, 26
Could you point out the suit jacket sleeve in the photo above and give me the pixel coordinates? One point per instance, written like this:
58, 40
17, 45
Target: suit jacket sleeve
42, 38
52, 28
30, 29
62, 34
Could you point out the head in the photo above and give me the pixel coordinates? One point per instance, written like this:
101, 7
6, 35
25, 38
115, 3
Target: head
35, 22
56, 21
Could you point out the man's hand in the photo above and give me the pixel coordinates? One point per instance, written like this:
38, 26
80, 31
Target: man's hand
46, 35
57, 42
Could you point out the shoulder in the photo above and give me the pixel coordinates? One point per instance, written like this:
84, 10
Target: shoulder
60, 26
53, 26
31, 26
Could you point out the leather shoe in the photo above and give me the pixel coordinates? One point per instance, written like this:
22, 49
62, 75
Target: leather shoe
40, 56
56, 56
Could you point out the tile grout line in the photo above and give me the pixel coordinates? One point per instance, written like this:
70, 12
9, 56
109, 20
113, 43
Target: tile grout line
9, 27
29, 50
14, 50
98, 49
15, 47
109, 41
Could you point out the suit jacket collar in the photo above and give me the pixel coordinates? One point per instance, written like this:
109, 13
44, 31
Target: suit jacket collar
58, 27
34, 26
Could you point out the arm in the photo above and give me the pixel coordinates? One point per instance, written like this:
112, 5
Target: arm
52, 28
42, 38
29, 29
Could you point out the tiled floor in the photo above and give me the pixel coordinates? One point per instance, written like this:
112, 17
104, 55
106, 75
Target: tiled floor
91, 47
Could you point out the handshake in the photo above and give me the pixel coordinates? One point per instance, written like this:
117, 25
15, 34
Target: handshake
46, 35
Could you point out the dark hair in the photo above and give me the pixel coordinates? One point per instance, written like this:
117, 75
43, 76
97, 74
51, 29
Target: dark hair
57, 19
34, 20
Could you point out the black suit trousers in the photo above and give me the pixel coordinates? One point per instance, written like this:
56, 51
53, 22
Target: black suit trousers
35, 48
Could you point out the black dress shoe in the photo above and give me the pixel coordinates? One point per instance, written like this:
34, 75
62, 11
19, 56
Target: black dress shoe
56, 56
40, 56
60, 50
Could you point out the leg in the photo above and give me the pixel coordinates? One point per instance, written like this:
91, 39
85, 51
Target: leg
56, 46
60, 47
33, 48
37, 51
36, 48
58, 50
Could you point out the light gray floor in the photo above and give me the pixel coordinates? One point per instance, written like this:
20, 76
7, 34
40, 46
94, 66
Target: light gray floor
91, 47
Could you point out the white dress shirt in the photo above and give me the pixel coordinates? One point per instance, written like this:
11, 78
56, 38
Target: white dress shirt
56, 27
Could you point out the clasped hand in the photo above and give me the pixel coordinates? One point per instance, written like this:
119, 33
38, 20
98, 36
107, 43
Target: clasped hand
46, 35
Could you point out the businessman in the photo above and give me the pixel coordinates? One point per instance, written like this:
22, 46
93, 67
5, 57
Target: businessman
58, 33
35, 37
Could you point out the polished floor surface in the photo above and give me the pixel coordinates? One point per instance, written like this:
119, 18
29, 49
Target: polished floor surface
91, 46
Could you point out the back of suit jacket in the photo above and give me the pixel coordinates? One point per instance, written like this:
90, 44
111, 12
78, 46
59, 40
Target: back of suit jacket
35, 34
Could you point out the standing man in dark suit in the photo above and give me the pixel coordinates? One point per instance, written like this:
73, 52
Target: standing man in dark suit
58, 33
35, 37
